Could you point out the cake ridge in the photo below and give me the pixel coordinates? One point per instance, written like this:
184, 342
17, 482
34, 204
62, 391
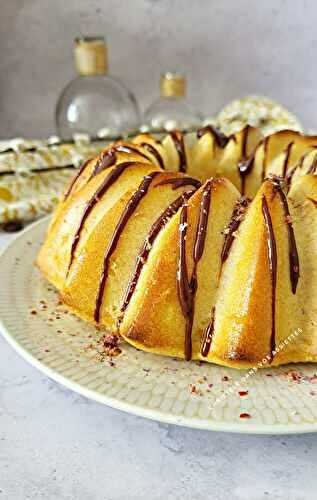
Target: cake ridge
178, 139
102, 189
144, 252
272, 258
124, 218
183, 283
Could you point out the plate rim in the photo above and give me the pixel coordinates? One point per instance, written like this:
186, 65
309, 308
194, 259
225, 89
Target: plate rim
137, 410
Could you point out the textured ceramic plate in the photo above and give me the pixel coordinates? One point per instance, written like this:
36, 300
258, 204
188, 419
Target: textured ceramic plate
279, 400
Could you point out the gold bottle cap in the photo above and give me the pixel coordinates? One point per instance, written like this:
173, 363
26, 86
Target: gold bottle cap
173, 85
91, 56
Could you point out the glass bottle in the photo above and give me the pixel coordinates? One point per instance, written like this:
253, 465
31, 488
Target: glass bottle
171, 109
94, 102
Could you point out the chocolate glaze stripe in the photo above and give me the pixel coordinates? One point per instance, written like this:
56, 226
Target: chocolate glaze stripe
183, 284
236, 218
313, 168
265, 155
124, 219
123, 148
245, 165
78, 174
178, 139
272, 257
220, 138
144, 252
235, 221
202, 224
293, 253
105, 160
154, 152
208, 334
187, 289
104, 186
109, 157
291, 172
314, 202
178, 182
244, 143
286, 159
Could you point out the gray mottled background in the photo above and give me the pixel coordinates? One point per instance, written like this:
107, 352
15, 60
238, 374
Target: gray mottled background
227, 48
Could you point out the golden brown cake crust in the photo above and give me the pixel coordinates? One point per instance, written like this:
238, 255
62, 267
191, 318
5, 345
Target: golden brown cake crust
196, 246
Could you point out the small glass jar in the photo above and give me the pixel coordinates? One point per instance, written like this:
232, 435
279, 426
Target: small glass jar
94, 102
171, 110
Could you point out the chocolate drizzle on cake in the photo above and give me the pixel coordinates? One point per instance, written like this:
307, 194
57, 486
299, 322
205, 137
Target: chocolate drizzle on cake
272, 258
142, 257
245, 168
293, 253
265, 154
104, 186
245, 165
123, 148
286, 159
178, 182
183, 284
106, 159
314, 202
78, 174
202, 224
154, 152
187, 288
313, 168
220, 138
235, 221
124, 219
178, 140
208, 334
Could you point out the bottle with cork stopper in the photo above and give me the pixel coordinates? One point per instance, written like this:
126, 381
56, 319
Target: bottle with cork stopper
95, 103
171, 109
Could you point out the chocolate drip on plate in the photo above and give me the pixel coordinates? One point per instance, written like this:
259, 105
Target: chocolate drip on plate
272, 258
178, 182
178, 139
293, 253
154, 152
187, 288
208, 334
142, 257
105, 185
235, 221
124, 219
220, 138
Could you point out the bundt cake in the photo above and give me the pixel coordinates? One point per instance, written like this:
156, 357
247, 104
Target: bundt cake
199, 246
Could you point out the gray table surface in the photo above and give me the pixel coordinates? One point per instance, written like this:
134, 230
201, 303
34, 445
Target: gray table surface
55, 444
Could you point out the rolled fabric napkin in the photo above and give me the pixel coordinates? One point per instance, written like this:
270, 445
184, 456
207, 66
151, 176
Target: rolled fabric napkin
33, 175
